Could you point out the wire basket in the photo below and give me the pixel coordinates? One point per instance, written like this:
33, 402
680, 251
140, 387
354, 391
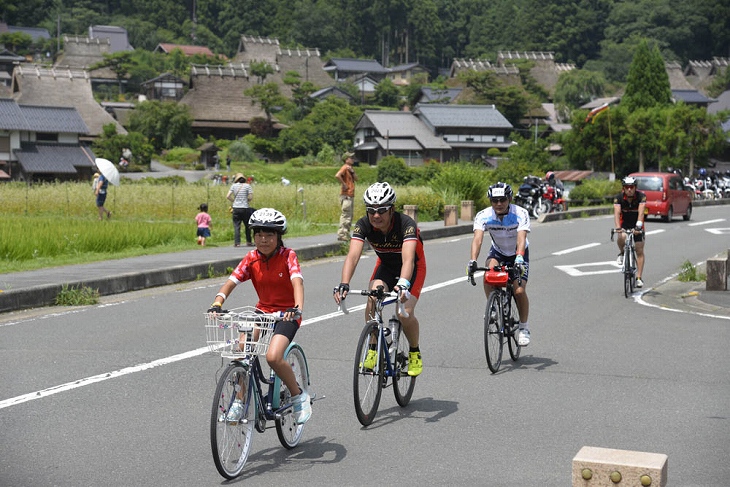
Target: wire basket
240, 332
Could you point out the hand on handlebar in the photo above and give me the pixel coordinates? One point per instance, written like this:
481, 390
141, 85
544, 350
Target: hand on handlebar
340, 292
292, 314
471, 268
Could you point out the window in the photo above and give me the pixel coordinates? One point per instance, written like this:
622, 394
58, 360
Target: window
46, 137
4, 143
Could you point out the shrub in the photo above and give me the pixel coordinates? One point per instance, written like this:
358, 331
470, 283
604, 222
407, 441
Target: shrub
394, 171
241, 151
463, 181
595, 190
430, 204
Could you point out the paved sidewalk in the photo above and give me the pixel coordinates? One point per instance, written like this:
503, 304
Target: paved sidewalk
32, 289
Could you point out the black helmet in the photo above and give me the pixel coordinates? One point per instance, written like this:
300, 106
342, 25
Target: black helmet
269, 219
498, 190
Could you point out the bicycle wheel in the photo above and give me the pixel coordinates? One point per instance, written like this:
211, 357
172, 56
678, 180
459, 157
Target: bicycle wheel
403, 384
231, 442
511, 328
493, 323
628, 274
288, 431
367, 384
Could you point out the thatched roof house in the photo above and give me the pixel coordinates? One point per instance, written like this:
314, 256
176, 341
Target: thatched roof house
217, 103
700, 74
81, 52
33, 85
677, 81
545, 70
508, 73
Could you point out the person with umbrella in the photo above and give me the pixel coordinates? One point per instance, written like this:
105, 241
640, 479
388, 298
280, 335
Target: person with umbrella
109, 174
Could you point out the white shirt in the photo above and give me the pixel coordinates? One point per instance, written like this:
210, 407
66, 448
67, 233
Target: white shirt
504, 231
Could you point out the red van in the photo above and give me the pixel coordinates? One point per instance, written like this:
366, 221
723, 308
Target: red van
666, 194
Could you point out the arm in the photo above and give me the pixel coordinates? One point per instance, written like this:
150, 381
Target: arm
348, 268
616, 216
223, 293
298, 284
408, 257
230, 193
341, 175
476, 244
521, 242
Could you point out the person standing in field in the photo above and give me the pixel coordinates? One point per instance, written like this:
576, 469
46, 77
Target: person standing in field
203, 221
241, 194
347, 177
102, 184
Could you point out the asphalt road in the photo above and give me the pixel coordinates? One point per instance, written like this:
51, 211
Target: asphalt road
119, 393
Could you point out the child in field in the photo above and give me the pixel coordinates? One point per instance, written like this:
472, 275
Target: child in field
203, 220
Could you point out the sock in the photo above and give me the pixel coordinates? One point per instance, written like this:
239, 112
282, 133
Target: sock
524, 326
414, 349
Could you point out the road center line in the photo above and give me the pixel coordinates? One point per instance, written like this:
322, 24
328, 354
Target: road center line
576, 249
706, 222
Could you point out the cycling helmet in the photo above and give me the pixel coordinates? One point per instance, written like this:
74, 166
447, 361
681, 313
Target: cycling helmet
379, 194
269, 219
549, 176
628, 181
499, 190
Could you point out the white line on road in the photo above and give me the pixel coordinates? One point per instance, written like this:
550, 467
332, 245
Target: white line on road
706, 222
169, 360
576, 249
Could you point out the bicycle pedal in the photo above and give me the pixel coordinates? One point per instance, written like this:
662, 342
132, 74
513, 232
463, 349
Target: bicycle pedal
315, 398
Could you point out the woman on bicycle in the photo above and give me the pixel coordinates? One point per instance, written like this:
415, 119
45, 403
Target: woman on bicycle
277, 278
628, 214
401, 263
508, 226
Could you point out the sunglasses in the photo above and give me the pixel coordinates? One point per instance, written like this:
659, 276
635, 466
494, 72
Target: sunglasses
630, 186
380, 210
498, 200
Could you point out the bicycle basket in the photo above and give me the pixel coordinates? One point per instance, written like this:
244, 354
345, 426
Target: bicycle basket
240, 332
496, 278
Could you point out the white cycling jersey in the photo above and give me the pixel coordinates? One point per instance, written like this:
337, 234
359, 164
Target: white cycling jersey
504, 231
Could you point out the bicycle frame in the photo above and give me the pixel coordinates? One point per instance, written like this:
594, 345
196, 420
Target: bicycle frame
629, 267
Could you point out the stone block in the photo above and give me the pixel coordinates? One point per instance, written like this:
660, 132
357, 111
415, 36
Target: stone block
412, 211
450, 217
467, 210
717, 270
606, 467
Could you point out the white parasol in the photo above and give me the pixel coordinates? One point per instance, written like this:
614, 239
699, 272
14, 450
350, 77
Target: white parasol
108, 169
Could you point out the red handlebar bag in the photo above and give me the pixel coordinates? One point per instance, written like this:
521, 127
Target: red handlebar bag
496, 278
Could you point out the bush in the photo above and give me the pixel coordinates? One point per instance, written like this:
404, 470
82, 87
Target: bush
463, 181
595, 191
393, 170
430, 205
241, 151
181, 155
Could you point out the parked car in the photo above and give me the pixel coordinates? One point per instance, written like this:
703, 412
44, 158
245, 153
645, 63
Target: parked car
666, 194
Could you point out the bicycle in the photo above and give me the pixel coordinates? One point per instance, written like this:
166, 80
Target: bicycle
392, 349
242, 335
501, 318
629, 265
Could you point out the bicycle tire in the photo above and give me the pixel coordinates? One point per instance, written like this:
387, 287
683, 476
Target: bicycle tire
367, 385
493, 332
403, 384
513, 326
231, 442
288, 430
628, 288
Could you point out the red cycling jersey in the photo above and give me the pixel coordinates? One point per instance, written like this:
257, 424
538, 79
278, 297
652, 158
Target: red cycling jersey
270, 277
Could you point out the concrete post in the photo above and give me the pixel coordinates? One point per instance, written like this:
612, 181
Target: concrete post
412, 211
605, 467
450, 218
717, 272
467, 210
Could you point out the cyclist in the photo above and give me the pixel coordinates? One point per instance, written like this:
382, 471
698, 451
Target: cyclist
277, 278
628, 214
508, 226
401, 264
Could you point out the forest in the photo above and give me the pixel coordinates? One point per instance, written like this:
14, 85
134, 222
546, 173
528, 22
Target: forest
598, 35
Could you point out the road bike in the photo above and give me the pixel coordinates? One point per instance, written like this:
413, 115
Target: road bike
240, 336
629, 265
391, 346
501, 318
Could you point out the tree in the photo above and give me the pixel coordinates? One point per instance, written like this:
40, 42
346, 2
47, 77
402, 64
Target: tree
511, 101
18, 42
387, 94
261, 69
642, 133
119, 62
689, 134
301, 92
576, 88
269, 98
648, 82
165, 124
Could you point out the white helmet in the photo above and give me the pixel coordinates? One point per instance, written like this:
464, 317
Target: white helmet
628, 181
269, 219
379, 194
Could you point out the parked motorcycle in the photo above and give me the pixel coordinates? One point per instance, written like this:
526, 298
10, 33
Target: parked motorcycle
529, 196
554, 199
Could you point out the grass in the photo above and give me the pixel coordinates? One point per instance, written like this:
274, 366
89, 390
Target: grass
689, 273
81, 296
55, 224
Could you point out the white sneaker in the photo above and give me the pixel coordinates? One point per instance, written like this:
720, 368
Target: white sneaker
620, 260
523, 337
639, 283
302, 405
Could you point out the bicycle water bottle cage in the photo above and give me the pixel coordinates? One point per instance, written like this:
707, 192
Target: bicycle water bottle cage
496, 278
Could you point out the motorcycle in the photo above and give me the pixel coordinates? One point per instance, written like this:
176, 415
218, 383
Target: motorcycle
554, 199
529, 196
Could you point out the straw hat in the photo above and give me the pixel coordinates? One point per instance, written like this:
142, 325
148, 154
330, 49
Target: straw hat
239, 178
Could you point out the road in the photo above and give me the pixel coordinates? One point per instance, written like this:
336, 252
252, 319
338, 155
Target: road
118, 394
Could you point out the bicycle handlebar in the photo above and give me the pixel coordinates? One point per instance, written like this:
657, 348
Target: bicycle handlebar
503, 267
378, 293
623, 230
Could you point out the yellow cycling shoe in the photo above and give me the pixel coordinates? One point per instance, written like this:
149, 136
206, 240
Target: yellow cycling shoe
370, 360
415, 364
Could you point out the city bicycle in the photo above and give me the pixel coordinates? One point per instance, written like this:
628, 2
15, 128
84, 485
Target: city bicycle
391, 346
501, 319
629, 265
241, 336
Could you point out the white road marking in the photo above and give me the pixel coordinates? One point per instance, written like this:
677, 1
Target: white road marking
168, 360
718, 231
574, 270
576, 249
706, 222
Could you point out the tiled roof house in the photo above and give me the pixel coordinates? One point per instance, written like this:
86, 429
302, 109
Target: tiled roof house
41, 143
33, 85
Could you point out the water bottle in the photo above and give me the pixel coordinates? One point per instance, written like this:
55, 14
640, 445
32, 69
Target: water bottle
392, 330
